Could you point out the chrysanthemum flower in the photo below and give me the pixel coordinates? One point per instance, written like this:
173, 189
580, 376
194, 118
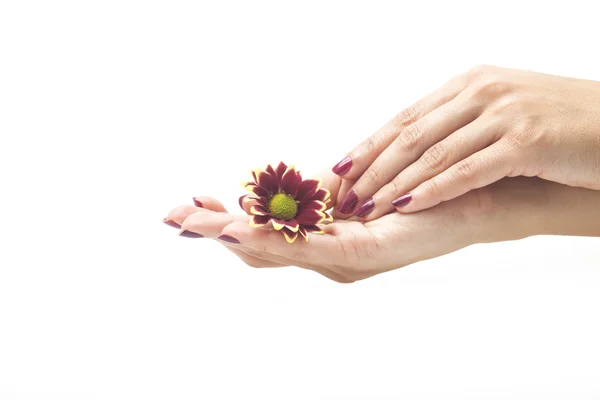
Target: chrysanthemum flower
292, 205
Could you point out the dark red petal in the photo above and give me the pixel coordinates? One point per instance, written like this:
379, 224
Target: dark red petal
307, 189
280, 170
302, 231
321, 195
262, 201
314, 204
268, 182
258, 191
254, 175
258, 210
271, 170
259, 220
290, 236
312, 228
290, 182
241, 201
310, 216
279, 224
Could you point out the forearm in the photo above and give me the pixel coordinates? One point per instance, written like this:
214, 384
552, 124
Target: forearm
571, 211
523, 207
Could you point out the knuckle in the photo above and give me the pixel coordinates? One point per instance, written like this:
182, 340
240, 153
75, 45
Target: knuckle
507, 105
435, 157
464, 170
406, 116
373, 175
368, 145
394, 187
410, 137
478, 71
491, 88
432, 188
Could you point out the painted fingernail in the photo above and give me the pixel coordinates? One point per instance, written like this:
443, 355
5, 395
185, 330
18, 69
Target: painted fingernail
197, 203
365, 209
349, 203
402, 200
191, 235
171, 223
343, 166
229, 239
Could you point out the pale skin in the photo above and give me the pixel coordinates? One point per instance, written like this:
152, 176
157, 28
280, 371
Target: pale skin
350, 250
482, 126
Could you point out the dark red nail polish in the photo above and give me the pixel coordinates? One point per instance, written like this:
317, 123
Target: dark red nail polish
171, 223
192, 235
402, 200
197, 203
365, 209
343, 166
349, 203
229, 239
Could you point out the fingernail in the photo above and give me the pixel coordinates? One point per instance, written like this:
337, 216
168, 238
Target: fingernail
349, 203
402, 200
191, 235
343, 166
171, 223
365, 209
196, 202
228, 239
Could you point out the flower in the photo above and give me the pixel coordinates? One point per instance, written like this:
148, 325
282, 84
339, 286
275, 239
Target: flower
292, 205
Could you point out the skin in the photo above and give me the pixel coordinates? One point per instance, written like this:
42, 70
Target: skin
480, 127
350, 250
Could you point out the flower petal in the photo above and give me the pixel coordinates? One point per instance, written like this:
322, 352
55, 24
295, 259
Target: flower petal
321, 195
268, 182
258, 221
308, 188
290, 181
328, 217
252, 188
302, 231
313, 229
271, 170
262, 201
279, 224
258, 210
314, 204
281, 168
310, 216
241, 201
290, 237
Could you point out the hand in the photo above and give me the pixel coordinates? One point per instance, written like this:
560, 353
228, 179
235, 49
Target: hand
480, 127
350, 250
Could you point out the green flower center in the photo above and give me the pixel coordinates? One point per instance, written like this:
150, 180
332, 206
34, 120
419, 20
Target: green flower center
282, 206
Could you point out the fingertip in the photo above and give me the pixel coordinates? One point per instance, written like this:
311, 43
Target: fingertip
402, 202
343, 167
209, 203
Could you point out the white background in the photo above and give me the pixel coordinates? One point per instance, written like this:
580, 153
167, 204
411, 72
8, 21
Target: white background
112, 112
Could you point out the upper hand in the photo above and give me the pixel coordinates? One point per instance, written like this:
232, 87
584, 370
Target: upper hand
480, 127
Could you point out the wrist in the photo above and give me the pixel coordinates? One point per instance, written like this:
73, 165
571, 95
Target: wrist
511, 209
521, 207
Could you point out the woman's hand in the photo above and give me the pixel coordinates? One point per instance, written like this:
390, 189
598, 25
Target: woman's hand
480, 127
350, 250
